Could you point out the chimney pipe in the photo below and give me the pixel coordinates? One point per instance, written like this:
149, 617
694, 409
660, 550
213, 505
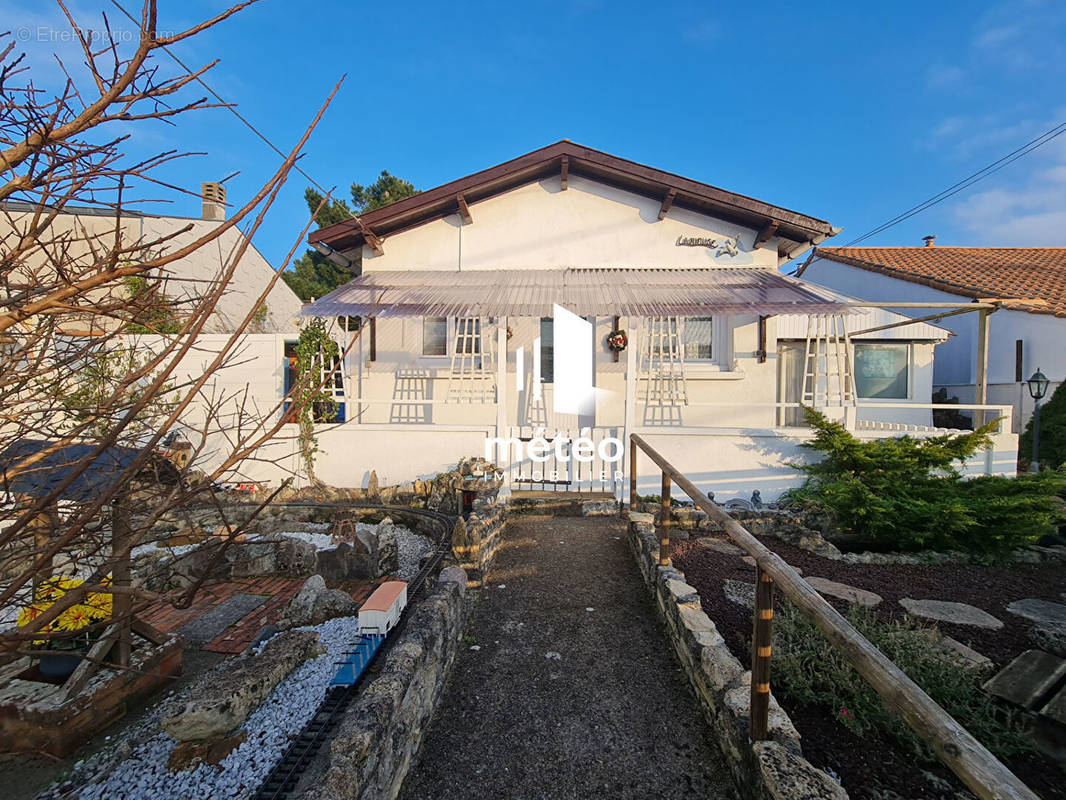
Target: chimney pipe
930, 241
214, 200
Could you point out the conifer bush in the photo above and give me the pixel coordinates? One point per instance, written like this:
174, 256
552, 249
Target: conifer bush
1052, 432
907, 493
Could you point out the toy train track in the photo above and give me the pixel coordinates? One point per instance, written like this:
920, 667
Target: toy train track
358, 662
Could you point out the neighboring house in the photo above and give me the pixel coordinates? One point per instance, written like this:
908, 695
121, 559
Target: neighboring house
189, 277
1025, 332
245, 390
478, 294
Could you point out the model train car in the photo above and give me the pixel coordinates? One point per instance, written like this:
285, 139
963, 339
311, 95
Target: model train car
382, 609
377, 616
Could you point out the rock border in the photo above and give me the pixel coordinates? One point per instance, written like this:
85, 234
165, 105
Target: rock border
371, 752
476, 540
774, 768
805, 530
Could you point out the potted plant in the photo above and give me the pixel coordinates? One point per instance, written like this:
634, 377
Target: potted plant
58, 656
617, 340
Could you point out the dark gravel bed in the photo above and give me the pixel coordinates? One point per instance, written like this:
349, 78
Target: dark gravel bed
869, 767
573, 689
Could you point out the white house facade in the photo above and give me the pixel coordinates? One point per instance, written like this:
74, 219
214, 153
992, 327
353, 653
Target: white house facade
554, 304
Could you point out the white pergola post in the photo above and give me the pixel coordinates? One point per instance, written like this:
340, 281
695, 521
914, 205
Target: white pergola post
501, 384
631, 401
981, 382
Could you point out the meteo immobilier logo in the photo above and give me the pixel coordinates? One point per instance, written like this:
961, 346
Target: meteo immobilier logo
573, 393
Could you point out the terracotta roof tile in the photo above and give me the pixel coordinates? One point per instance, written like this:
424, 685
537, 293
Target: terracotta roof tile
978, 272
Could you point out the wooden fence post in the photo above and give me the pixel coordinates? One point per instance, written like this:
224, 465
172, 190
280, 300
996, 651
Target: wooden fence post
632, 477
761, 649
664, 523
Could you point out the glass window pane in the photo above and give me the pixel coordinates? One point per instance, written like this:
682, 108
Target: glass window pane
435, 336
698, 337
882, 371
547, 351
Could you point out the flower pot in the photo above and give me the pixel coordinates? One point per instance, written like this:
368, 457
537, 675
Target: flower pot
59, 664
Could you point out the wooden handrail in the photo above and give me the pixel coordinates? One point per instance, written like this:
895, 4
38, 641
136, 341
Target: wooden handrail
976, 767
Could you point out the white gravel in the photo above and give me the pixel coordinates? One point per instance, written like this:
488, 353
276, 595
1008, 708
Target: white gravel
321, 541
410, 550
153, 547
144, 774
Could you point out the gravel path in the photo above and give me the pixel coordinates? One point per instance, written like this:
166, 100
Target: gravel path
565, 685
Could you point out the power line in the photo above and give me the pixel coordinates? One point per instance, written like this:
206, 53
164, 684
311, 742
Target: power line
967, 182
236, 113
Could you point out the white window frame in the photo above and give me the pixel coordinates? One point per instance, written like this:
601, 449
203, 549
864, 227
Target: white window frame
721, 360
856, 344
449, 337
449, 342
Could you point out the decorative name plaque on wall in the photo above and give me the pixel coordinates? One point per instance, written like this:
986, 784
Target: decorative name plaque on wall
728, 246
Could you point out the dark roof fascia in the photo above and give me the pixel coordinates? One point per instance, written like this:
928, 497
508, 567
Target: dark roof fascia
649, 181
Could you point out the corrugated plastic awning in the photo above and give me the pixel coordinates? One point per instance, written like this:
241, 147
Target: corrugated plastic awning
588, 292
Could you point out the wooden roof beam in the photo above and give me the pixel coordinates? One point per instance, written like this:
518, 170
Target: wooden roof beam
667, 202
370, 237
564, 172
767, 232
464, 209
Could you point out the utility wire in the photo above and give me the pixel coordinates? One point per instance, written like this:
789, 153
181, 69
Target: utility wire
967, 182
236, 113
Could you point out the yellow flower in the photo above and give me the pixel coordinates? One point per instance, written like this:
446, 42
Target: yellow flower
28, 614
75, 618
95, 606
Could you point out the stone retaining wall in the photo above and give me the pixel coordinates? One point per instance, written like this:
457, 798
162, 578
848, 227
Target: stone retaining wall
476, 539
382, 730
774, 768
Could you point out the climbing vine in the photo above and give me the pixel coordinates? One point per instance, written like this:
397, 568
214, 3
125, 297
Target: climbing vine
317, 353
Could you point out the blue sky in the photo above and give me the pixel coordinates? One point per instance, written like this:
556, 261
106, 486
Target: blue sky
851, 112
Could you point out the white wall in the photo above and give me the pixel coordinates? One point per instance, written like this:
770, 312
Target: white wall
242, 394
540, 226
742, 453
733, 463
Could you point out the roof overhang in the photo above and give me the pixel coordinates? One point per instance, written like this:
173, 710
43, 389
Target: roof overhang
795, 232
587, 292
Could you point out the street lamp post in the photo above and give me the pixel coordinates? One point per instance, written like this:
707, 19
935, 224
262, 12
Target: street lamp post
1037, 389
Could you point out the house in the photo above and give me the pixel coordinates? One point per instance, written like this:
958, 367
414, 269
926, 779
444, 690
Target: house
186, 279
1025, 325
551, 305
240, 394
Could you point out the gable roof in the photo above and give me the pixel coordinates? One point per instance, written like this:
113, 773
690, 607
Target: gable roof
1025, 273
795, 231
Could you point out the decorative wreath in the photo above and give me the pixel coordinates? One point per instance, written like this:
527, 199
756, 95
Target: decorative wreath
617, 341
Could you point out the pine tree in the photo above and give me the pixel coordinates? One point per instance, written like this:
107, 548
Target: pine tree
312, 275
